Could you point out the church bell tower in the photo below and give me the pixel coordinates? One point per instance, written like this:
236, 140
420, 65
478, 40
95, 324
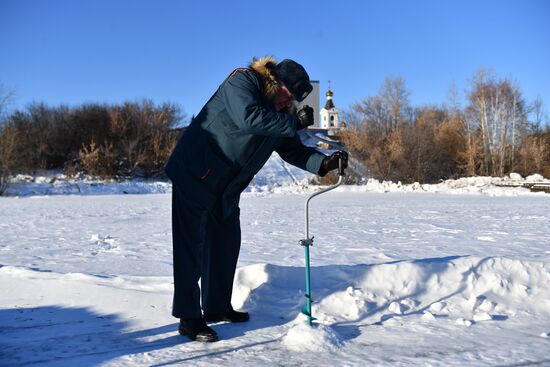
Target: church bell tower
329, 113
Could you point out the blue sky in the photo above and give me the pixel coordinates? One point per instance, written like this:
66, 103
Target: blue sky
76, 51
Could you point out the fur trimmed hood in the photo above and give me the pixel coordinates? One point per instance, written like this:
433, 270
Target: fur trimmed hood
264, 66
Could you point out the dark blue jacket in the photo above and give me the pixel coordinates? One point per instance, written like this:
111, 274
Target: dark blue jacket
230, 140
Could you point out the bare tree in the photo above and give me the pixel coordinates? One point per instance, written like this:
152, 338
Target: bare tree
538, 117
388, 110
8, 142
7, 138
142, 132
395, 97
6, 98
497, 109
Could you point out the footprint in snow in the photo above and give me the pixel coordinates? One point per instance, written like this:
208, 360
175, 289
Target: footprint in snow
104, 244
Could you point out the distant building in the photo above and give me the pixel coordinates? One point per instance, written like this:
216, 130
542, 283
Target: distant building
323, 134
330, 119
327, 120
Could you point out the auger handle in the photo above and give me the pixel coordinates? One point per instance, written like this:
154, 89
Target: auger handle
341, 167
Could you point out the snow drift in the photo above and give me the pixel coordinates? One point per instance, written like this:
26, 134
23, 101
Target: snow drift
453, 288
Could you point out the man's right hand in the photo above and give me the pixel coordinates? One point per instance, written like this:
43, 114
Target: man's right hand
332, 162
305, 117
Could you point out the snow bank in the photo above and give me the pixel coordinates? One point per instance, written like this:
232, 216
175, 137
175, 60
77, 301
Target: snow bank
491, 186
262, 185
277, 177
454, 290
55, 183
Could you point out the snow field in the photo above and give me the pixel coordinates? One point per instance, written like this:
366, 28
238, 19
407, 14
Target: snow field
398, 279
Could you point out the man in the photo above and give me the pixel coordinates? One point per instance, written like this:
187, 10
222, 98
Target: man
251, 115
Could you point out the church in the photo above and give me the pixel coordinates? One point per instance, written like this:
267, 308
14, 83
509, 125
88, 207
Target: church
328, 123
327, 120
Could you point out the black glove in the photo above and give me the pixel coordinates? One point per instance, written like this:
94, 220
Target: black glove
305, 117
331, 162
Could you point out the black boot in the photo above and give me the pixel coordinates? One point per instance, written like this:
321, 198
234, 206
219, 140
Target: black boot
230, 316
196, 329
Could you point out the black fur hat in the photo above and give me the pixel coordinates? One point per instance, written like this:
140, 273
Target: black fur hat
294, 77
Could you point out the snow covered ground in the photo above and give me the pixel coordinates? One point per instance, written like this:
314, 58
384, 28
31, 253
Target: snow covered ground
451, 274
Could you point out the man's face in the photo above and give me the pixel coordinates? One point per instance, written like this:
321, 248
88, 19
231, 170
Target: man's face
283, 99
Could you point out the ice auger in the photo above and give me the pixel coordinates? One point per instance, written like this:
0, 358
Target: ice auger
306, 310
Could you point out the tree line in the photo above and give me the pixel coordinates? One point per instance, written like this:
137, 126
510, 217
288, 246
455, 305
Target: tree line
496, 133
110, 141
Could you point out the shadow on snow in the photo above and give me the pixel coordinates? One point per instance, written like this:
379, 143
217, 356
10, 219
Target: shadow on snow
60, 336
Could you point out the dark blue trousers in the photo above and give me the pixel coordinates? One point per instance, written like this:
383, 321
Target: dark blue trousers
206, 247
